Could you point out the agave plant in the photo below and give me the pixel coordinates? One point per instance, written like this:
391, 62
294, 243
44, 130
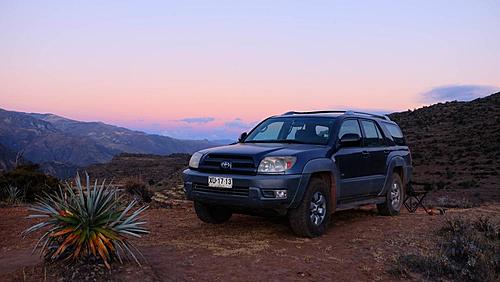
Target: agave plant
80, 222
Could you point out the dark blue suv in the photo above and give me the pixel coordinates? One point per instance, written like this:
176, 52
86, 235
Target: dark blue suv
305, 165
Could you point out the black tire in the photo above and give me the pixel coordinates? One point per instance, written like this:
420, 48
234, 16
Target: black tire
212, 214
301, 218
391, 207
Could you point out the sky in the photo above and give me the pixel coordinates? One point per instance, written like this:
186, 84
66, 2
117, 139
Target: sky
213, 69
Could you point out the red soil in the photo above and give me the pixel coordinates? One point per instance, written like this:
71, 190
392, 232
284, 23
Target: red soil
360, 246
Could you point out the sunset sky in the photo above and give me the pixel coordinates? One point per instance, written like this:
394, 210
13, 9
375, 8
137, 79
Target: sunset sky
212, 69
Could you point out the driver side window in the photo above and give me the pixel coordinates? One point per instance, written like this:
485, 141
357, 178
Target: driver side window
350, 126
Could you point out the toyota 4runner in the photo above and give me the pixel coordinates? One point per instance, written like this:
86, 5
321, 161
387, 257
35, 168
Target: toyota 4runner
305, 165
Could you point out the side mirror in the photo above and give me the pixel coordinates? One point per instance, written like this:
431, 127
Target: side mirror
242, 137
350, 140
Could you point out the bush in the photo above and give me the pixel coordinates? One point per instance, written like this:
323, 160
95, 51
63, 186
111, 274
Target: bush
83, 222
138, 189
428, 266
14, 195
460, 203
469, 250
29, 180
467, 184
440, 185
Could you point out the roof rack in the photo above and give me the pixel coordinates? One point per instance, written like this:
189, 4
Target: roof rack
349, 112
314, 112
369, 114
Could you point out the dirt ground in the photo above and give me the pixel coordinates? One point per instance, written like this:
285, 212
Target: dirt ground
359, 246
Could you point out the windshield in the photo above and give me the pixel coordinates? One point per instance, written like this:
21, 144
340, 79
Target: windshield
292, 130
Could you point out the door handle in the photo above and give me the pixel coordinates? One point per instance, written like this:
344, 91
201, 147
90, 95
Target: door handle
386, 152
365, 154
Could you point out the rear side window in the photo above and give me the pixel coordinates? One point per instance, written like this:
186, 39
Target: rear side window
396, 133
373, 137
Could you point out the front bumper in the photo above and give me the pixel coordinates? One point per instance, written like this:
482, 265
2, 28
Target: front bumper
257, 186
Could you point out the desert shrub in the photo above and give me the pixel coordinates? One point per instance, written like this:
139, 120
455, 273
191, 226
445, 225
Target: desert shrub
460, 203
449, 173
473, 249
14, 195
431, 267
487, 227
138, 189
466, 184
29, 180
468, 250
82, 221
440, 185
416, 156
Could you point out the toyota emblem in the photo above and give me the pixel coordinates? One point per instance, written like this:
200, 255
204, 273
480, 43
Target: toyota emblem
226, 165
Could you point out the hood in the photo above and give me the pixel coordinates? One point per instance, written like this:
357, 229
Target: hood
260, 150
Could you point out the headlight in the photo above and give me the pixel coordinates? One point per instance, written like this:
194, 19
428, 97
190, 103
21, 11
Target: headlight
194, 162
276, 164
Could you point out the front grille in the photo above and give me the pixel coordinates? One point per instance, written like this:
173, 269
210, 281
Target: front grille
239, 191
240, 164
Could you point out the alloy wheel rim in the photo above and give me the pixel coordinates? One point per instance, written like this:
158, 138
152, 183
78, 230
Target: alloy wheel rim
317, 208
395, 195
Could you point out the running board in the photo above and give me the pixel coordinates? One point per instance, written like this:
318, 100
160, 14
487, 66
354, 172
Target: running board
356, 204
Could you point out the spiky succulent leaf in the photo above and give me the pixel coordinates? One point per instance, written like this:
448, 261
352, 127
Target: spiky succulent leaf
82, 220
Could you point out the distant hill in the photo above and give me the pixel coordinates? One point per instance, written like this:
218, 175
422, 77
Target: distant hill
62, 144
7, 158
224, 141
456, 144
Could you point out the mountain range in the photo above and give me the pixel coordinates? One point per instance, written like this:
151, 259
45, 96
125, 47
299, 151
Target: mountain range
62, 145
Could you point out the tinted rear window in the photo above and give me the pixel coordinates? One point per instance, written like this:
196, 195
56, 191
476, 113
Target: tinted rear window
396, 133
373, 137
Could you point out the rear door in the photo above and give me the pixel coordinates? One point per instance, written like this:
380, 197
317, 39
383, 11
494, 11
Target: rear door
350, 162
376, 151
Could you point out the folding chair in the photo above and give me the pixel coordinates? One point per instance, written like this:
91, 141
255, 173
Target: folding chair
414, 198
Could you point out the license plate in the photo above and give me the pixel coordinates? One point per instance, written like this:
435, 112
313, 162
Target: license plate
220, 182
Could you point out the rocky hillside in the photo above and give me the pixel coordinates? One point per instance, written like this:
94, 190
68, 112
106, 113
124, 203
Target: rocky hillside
61, 144
160, 172
455, 144
7, 159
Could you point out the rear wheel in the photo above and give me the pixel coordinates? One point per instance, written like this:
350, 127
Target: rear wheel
212, 214
311, 217
394, 197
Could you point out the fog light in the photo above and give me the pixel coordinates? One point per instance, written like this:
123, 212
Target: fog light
280, 194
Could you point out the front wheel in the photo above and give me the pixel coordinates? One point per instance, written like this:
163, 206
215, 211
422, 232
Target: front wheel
311, 217
394, 197
212, 214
